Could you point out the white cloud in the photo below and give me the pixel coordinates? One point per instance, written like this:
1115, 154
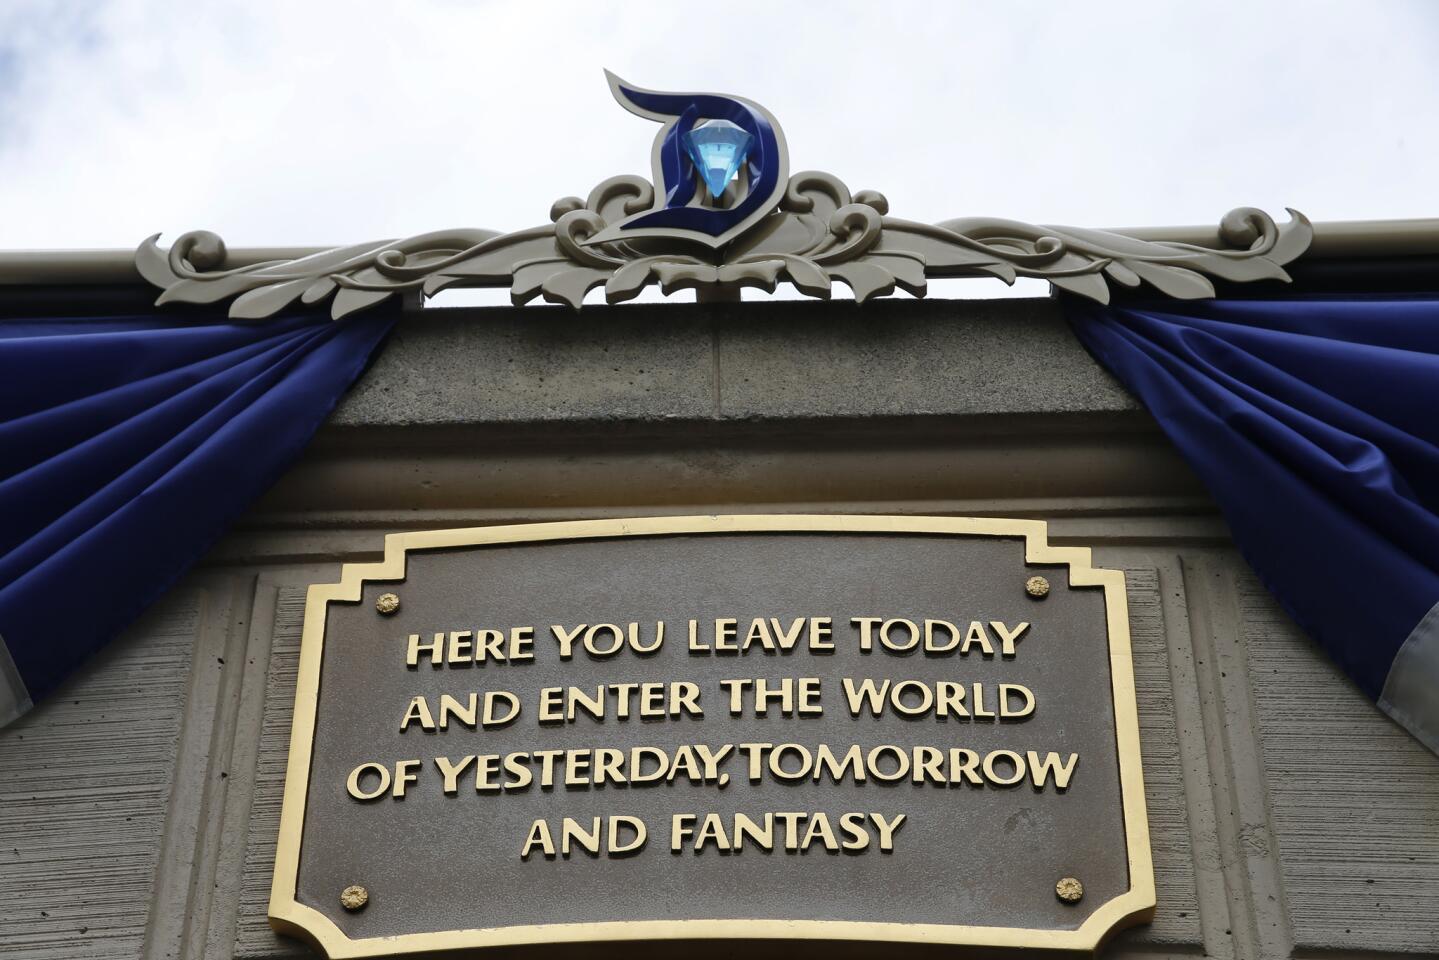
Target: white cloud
306, 123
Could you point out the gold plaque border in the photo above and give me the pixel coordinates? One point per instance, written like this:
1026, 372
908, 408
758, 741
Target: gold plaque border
289, 916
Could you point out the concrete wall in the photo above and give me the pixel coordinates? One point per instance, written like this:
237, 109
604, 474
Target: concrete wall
138, 808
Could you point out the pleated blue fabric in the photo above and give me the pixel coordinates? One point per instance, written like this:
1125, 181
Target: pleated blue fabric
1314, 422
129, 444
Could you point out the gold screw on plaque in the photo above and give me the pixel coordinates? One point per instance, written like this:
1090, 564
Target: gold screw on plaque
1069, 889
354, 898
387, 603
1037, 587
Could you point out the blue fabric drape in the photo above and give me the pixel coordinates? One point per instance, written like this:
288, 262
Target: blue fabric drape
127, 445
1315, 425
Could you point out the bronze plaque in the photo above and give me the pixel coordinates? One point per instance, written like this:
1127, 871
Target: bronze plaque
762, 728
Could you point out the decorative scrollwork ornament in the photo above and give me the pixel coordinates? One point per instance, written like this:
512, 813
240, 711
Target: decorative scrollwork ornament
762, 228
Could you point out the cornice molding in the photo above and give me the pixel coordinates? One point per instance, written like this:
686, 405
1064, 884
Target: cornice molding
1332, 239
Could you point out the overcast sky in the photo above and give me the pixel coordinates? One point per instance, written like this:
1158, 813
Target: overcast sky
289, 122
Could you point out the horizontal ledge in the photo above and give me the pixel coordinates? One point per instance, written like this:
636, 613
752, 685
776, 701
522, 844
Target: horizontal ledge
114, 266
1337, 238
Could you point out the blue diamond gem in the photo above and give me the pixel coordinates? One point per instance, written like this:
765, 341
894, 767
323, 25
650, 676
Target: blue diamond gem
717, 148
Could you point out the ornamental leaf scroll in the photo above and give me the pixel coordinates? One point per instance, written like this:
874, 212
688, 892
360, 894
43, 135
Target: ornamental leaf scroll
820, 233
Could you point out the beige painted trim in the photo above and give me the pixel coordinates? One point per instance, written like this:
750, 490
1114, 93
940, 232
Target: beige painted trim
113, 266
1336, 238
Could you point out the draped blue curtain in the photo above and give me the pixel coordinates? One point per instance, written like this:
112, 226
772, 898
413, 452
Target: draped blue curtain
128, 444
1314, 422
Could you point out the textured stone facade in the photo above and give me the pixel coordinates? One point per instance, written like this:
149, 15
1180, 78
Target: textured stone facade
1290, 819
